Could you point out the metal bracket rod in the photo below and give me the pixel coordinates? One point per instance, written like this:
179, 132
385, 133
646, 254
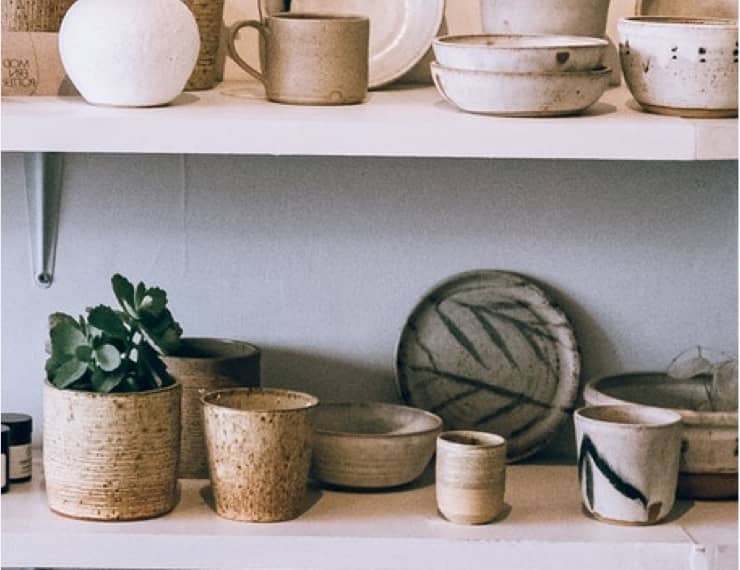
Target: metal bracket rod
43, 194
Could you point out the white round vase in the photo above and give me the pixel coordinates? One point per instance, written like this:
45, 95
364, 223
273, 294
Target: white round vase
129, 53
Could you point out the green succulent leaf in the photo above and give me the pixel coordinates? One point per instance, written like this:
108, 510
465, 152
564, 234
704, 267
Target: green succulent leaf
162, 333
150, 363
107, 320
69, 373
152, 302
83, 353
108, 357
105, 382
56, 319
124, 292
65, 338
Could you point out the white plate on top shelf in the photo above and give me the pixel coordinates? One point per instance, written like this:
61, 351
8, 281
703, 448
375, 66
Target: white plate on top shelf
688, 8
401, 31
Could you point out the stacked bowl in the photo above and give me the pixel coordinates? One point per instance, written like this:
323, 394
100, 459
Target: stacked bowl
520, 75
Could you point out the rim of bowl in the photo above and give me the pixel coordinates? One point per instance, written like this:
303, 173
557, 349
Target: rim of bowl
596, 72
645, 417
354, 434
321, 17
466, 41
311, 401
491, 440
251, 349
681, 21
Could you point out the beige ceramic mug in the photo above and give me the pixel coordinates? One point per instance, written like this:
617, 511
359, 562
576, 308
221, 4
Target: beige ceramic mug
310, 59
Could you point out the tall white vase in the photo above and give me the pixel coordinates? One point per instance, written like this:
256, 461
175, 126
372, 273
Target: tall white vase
130, 53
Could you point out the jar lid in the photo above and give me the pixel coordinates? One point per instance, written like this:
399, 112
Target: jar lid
20, 426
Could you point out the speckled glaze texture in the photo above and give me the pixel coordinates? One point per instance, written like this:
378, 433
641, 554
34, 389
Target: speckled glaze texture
33, 15
579, 17
111, 457
203, 365
681, 66
372, 445
628, 462
471, 476
259, 451
209, 17
311, 59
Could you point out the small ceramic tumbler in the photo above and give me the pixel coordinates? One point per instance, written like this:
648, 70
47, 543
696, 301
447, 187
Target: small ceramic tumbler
310, 59
259, 451
471, 476
628, 460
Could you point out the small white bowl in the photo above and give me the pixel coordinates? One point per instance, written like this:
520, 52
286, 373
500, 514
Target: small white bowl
520, 53
521, 94
372, 445
681, 66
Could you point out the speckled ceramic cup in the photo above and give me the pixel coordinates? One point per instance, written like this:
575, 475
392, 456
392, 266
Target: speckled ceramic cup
311, 59
471, 476
259, 451
628, 462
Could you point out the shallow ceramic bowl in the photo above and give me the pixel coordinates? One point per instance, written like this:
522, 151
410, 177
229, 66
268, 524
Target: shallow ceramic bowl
681, 66
709, 453
520, 94
372, 445
520, 53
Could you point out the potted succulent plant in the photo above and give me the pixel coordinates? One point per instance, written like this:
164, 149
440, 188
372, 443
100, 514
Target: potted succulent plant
111, 410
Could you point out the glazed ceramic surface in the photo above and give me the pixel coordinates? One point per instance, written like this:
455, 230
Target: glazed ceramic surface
710, 439
372, 445
628, 462
577, 17
520, 53
311, 59
688, 8
521, 94
681, 66
111, 457
470, 476
259, 451
489, 351
401, 31
138, 53
205, 364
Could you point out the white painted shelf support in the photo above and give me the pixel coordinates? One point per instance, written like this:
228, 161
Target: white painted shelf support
43, 194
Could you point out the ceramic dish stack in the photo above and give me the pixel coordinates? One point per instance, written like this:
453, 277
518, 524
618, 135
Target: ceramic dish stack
520, 75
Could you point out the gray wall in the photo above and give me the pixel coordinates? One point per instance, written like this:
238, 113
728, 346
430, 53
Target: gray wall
319, 260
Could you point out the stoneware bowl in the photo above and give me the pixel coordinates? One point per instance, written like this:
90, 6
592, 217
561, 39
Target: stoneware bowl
688, 8
520, 94
578, 17
259, 451
520, 53
681, 66
372, 445
708, 466
471, 476
628, 462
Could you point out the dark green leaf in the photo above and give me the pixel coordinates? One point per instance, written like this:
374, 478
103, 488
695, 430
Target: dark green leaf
83, 353
124, 292
139, 294
153, 364
65, 338
54, 362
106, 382
460, 336
69, 372
162, 333
108, 321
108, 357
56, 319
153, 302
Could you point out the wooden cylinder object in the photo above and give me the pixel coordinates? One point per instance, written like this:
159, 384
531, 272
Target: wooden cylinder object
259, 445
33, 15
111, 457
209, 16
202, 365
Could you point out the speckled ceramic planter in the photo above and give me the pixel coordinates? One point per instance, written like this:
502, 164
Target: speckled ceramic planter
471, 476
111, 457
202, 365
33, 15
628, 462
259, 451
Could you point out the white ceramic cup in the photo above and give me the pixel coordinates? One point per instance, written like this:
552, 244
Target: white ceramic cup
471, 476
628, 460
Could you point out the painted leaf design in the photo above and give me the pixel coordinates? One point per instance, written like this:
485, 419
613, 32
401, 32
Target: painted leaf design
589, 484
461, 337
492, 333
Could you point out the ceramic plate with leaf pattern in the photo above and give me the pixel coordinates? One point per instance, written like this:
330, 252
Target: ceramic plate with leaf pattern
487, 350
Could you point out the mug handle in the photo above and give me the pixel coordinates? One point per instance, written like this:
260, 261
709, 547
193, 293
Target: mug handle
233, 32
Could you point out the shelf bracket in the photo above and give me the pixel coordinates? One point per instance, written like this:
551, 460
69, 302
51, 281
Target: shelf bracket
43, 172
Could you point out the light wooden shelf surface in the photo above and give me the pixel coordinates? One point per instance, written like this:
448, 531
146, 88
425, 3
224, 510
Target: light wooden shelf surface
401, 530
234, 118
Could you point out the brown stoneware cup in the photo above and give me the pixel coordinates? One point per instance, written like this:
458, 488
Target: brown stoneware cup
259, 451
310, 59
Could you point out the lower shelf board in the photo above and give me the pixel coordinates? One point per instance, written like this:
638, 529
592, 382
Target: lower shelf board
545, 527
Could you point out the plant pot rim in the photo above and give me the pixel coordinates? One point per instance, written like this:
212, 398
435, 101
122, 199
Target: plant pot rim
312, 401
253, 350
142, 393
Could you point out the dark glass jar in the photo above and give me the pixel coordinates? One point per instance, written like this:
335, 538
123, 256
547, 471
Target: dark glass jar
19, 455
5, 466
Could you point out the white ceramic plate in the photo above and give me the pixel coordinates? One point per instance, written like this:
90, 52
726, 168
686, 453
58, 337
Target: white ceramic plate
487, 350
688, 8
401, 31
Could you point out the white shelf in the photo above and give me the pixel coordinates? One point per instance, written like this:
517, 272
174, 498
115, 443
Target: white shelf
545, 528
413, 121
